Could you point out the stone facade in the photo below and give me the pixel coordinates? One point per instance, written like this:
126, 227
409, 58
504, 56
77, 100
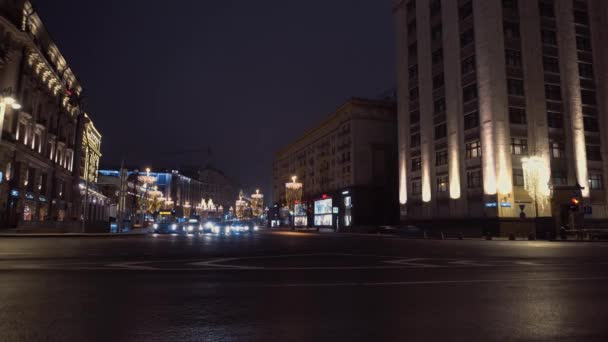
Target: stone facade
39, 140
483, 84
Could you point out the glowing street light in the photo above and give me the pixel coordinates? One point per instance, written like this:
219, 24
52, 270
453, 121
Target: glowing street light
7, 100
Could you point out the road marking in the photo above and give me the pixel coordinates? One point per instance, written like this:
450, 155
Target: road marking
217, 264
469, 263
133, 265
432, 282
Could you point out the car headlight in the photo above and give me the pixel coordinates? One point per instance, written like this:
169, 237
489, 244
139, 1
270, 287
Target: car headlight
190, 228
256, 227
173, 226
155, 226
208, 225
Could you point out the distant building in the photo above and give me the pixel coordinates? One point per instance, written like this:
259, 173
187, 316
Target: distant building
217, 185
484, 84
38, 141
347, 166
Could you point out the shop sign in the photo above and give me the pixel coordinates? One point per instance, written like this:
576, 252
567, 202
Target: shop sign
42, 199
506, 205
1, 177
491, 205
29, 196
336, 210
15, 193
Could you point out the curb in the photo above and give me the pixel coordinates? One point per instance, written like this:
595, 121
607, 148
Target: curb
67, 235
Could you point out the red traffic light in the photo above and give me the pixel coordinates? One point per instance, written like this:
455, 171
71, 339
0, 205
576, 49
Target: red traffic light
574, 201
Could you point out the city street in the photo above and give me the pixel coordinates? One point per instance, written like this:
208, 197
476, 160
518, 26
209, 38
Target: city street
285, 286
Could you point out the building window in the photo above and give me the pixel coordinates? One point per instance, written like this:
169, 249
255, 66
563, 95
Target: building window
471, 120
511, 30
515, 87
557, 149
437, 57
435, 7
474, 179
439, 106
588, 97
465, 10
416, 164
512, 4
416, 187
467, 37
548, 37
441, 131
469, 92
595, 181
546, 9
590, 123
468, 65
414, 117
553, 92
414, 94
593, 152
436, 32
415, 140
443, 183
518, 177
438, 81
513, 58
559, 177
550, 64
413, 50
583, 43
411, 5
441, 158
585, 70
581, 17
519, 146
473, 149
554, 120
413, 73
517, 116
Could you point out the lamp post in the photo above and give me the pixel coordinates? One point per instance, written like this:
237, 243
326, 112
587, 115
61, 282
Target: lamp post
293, 194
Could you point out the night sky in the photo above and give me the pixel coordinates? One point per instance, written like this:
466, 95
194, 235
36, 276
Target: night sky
168, 80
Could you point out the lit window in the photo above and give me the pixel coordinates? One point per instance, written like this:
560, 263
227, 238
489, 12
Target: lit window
443, 183
519, 146
557, 149
473, 149
518, 177
595, 181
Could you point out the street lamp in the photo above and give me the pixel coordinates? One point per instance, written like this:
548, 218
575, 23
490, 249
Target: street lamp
293, 193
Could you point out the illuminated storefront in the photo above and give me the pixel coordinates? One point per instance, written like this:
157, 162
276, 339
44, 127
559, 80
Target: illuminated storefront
324, 212
300, 217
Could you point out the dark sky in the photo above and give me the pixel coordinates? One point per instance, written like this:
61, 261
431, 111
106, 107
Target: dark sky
243, 77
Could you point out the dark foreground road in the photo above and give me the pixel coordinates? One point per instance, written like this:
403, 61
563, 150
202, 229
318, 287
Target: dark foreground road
300, 287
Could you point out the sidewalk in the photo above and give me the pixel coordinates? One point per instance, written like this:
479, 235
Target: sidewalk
15, 233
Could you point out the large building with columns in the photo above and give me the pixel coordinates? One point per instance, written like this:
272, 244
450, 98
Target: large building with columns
41, 140
483, 84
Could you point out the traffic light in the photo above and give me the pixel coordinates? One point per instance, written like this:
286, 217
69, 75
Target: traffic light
574, 203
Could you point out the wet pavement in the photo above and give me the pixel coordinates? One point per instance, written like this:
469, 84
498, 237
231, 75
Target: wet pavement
300, 287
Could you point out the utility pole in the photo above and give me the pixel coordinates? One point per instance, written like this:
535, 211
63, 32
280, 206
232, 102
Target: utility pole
121, 198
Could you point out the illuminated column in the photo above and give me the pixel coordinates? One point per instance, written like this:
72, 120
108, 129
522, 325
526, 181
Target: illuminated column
402, 96
599, 35
425, 90
453, 96
572, 92
492, 94
536, 109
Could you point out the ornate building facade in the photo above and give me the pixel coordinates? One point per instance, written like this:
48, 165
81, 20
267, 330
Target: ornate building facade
39, 138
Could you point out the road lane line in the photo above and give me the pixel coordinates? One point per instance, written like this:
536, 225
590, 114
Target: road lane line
434, 282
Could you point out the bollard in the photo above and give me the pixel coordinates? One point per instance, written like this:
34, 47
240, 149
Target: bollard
531, 237
460, 236
511, 237
441, 236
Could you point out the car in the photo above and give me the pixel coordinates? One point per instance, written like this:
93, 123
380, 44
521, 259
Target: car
192, 226
213, 226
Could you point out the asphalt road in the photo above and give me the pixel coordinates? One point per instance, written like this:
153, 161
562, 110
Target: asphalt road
301, 287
